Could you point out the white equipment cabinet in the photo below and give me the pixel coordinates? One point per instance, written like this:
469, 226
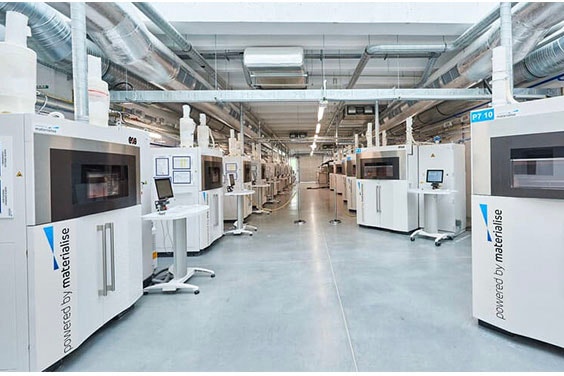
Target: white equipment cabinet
350, 190
240, 166
451, 208
332, 181
71, 199
197, 178
350, 182
517, 221
384, 176
340, 180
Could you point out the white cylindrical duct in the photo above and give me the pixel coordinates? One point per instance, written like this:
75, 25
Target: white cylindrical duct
369, 135
355, 141
409, 131
507, 41
79, 64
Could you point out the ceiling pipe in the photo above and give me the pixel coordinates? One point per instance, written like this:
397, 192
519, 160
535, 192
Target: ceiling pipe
406, 50
175, 74
543, 62
126, 41
79, 65
506, 40
53, 43
531, 22
186, 47
51, 32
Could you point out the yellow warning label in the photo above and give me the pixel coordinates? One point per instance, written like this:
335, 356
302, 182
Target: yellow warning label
154, 255
19, 174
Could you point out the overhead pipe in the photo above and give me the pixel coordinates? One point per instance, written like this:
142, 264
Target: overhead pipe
434, 50
79, 62
53, 43
186, 47
148, 10
506, 38
126, 41
543, 62
531, 22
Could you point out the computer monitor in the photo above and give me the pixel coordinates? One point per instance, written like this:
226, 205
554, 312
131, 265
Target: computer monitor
164, 188
231, 185
435, 176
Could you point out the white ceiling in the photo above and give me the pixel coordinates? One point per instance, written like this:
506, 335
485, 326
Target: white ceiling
336, 28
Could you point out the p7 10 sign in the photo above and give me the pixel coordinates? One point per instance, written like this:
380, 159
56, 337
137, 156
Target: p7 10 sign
482, 115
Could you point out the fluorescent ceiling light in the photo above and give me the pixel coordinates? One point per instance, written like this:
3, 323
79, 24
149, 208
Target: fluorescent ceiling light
317, 128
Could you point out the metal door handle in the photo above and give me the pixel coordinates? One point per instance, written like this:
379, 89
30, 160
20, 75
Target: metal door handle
104, 291
112, 285
216, 209
379, 199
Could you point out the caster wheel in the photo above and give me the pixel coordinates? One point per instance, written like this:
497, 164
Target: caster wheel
256, 230
196, 292
145, 293
437, 244
212, 276
251, 234
412, 239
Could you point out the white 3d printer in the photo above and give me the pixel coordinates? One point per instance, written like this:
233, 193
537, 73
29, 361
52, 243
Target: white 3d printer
517, 218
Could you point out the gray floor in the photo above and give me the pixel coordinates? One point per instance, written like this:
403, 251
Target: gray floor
316, 297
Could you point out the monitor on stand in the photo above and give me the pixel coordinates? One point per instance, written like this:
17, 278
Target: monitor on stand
164, 193
435, 177
231, 185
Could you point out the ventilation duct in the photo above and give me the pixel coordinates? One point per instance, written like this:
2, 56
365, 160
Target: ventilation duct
543, 62
357, 115
531, 22
275, 67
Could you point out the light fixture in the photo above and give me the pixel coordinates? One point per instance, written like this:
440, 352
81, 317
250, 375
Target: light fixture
317, 128
321, 109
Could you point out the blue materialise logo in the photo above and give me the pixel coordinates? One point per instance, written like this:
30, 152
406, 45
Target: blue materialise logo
49, 234
205, 195
484, 210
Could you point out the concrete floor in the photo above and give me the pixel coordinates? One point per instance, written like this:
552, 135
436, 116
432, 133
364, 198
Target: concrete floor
315, 297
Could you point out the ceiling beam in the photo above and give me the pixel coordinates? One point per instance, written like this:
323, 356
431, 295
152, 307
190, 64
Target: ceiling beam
349, 95
212, 96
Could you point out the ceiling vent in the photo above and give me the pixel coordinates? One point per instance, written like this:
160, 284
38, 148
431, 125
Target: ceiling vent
275, 67
357, 116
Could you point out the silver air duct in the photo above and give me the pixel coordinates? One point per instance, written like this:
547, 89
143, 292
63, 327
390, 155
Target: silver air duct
531, 22
125, 40
543, 62
51, 33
